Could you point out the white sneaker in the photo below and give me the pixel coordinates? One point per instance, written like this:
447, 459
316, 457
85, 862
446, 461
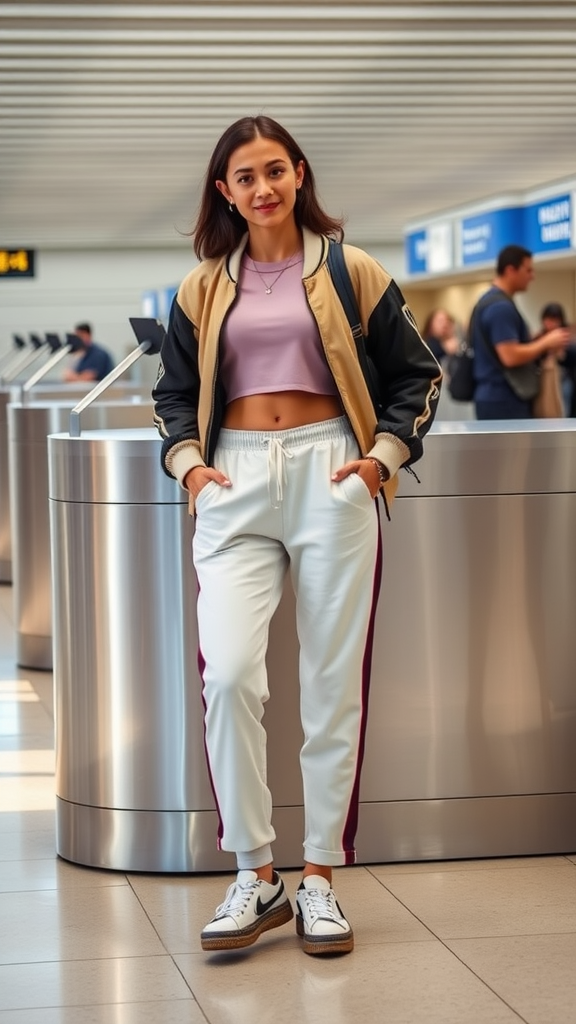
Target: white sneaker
319, 919
251, 906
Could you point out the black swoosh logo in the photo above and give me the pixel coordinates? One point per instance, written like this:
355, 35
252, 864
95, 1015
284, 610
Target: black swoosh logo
261, 907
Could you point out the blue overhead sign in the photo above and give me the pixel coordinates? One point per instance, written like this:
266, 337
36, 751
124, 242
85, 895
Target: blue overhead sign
150, 304
416, 252
157, 304
431, 250
483, 235
548, 224
544, 224
165, 298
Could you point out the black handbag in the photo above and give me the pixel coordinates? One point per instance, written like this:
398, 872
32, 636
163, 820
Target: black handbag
460, 374
524, 380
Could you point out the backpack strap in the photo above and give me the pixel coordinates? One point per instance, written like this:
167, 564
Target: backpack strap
339, 273
343, 285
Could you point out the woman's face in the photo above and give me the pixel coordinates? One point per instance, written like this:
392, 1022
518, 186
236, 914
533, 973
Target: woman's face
441, 325
262, 182
549, 323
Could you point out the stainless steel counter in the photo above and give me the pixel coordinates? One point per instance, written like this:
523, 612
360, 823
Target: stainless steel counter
472, 749
472, 728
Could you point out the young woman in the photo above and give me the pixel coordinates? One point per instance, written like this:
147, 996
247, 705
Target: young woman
267, 422
439, 333
561, 365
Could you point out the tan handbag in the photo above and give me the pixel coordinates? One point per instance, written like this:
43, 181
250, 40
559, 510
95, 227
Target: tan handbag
548, 403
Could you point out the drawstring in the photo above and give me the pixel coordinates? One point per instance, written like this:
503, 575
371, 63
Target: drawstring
277, 469
383, 492
412, 473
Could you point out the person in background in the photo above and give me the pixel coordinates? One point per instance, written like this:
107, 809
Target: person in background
267, 421
552, 316
440, 334
496, 323
95, 362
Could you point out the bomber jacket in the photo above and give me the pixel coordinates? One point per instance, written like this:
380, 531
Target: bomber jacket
189, 398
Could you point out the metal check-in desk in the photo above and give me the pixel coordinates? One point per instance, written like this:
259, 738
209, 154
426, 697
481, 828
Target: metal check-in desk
471, 744
42, 392
29, 424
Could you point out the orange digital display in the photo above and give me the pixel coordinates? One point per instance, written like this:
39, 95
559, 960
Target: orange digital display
17, 262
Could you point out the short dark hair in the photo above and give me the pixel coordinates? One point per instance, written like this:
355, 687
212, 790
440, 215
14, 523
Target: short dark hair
554, 311
218, 230
512, 256
83, 327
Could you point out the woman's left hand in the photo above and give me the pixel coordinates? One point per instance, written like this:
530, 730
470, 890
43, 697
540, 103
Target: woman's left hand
366, 469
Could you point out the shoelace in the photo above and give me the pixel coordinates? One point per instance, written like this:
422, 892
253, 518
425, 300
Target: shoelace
322, 904
236, 899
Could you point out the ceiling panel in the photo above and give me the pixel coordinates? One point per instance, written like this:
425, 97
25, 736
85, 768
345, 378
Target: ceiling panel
109, 112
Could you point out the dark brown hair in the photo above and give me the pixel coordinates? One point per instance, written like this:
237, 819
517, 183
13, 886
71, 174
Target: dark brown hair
554, 311
511, 256
218, 230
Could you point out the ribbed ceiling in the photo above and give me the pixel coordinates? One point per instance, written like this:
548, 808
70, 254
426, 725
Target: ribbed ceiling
109, 111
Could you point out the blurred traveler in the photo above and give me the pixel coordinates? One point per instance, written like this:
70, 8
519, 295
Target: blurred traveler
95, 362
440, 334
553, 316
505, 357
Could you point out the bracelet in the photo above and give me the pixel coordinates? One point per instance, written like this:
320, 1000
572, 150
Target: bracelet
382, 471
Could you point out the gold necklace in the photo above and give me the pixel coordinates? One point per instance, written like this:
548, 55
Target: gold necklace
269, 286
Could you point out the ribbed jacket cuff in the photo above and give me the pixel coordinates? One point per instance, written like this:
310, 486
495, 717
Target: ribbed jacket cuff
183, 457
390, 451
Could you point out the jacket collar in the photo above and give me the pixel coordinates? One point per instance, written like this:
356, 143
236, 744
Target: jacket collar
315, 252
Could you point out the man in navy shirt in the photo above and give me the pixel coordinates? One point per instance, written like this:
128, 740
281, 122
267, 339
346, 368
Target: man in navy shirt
501, 338
95, 363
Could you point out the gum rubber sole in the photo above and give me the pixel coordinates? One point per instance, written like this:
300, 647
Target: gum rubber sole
324, 945
238, 940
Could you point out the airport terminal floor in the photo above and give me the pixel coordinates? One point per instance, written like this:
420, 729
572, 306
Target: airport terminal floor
484, 941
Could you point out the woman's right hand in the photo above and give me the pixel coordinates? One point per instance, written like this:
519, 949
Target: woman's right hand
197, 478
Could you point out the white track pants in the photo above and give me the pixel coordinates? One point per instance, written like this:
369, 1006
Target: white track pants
282, 511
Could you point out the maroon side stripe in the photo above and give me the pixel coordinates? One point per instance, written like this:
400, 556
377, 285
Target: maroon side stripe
351, 824
201, 667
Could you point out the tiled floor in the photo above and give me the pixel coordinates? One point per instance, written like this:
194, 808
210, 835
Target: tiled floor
475, 942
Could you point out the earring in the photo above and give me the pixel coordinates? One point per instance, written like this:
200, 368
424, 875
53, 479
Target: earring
231, 207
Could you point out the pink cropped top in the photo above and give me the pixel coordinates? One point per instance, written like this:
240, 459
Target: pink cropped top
270, 340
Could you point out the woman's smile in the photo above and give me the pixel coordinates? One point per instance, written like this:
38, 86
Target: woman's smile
267, 207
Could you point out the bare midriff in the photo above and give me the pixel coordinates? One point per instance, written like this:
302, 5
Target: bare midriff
280, 410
